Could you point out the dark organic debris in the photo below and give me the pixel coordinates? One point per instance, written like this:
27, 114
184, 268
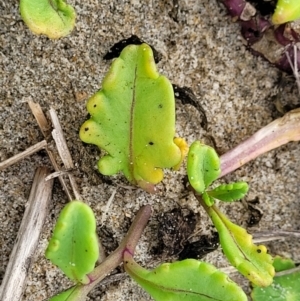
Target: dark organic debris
201, 247
175, 232
175, 10
255, 213
187, 96
108, 240
174, 229
266, 8
117, 48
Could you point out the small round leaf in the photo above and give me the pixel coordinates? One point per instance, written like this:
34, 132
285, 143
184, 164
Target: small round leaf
54, 18
203, 166
74, 246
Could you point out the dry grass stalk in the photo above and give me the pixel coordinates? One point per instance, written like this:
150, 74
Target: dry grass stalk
36, 212
29, 151
37, 207
63, 150
294, 65
41, 119
45, 128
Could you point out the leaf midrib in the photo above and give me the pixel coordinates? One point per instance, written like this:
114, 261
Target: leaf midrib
132, 107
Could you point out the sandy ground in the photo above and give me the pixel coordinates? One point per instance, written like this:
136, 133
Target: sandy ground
201, 49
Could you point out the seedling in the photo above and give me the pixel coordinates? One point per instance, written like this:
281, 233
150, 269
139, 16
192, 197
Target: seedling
136, 107
53, 18
203, 167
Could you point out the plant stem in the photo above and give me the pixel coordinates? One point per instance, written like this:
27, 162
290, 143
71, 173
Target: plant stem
128, 243
275, 134
22, 256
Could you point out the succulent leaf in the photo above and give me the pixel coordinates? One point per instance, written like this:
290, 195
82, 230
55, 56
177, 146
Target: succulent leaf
54, 18
286, 11
250, 260
208, 200
282, 264
71, 294
189, 280
229, 192
203, 166
133, 119
74, 246
284, 287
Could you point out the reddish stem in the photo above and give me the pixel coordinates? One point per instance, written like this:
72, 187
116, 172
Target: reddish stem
275, 134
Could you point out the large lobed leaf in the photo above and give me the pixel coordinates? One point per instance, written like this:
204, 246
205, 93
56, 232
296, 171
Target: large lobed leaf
53, 18
74, 246
250, 260
133, 119
187, 280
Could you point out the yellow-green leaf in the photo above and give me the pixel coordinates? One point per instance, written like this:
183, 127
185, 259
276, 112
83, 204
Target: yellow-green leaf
133, 119
71, 294
250, 260
186, 280
286, 11
54, 18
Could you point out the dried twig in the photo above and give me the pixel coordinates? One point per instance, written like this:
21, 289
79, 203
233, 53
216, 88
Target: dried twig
29, 151
60, 141
294, 66
63, 150
107, 207
288, 272
27, 239
41, 119
37, 209
281, 234
113, 278
45, 128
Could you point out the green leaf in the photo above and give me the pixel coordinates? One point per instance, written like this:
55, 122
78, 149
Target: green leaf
208, 200
72, 294
283, 288
229, 192
74, 244
187, 280
250, 260
54, 18
203, 166
286, 11
133, 119
282, 264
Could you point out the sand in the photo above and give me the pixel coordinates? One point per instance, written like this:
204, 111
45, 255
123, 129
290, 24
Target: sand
202, 49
